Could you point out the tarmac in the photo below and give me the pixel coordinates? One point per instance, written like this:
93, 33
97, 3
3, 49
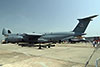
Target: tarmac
62, 55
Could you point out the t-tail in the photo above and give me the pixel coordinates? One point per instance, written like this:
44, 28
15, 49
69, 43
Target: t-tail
6, 32
83, 23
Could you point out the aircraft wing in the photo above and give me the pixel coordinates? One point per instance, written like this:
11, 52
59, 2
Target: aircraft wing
31, 37
33, 34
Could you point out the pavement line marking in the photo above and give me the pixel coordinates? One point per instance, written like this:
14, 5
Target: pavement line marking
42, 63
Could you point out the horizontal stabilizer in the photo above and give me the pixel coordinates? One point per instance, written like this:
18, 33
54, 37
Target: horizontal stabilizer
90, 17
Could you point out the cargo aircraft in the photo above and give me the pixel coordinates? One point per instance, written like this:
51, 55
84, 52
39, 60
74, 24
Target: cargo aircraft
34, 38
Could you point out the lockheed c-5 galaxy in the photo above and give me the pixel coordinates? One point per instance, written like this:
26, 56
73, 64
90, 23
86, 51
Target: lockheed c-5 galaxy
34, 38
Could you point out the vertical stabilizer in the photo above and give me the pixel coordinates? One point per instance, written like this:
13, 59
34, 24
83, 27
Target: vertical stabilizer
83, 23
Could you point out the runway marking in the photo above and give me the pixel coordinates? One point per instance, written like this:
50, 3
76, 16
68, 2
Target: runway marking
42, 63
26, 54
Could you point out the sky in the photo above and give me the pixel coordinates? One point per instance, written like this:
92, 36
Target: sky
43, 16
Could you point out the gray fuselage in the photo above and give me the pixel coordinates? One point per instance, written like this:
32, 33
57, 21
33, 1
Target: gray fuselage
57, 36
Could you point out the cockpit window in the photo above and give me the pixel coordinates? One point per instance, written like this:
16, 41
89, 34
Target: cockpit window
9, 31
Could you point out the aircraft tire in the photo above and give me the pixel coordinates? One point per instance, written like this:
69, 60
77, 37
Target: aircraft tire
40, 47
48, 46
